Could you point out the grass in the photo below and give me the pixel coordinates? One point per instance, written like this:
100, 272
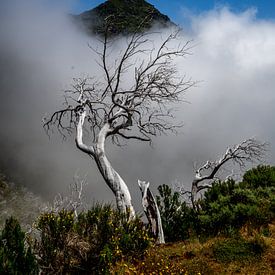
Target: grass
243, 255
249, 252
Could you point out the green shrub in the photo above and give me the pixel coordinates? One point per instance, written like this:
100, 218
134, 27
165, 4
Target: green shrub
52, 247
229, 206
15, 258
90, 243
219, 188
261, 176
225, 208
176, 215
238, 249
112, 236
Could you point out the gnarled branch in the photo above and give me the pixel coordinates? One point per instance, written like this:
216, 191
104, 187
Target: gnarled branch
248, 151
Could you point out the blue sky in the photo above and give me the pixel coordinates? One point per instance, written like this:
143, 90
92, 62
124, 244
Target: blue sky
175, 8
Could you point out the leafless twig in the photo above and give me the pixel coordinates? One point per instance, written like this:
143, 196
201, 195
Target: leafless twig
248, 151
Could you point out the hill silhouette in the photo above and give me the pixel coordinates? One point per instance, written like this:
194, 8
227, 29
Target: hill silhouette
123, 17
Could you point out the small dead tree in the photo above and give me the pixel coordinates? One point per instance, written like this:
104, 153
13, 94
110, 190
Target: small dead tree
152, 211
72, 201
111, 109
248, 151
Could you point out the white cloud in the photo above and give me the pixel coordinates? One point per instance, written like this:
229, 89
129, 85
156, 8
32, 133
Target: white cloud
233, 57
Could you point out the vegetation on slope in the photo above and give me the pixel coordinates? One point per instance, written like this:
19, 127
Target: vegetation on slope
124, 16
231, 232
16, 201
254, 255
227, 207
15, 257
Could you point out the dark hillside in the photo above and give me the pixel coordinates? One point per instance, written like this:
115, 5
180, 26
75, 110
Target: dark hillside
124, 17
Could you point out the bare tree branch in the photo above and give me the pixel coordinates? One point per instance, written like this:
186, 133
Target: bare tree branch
74, 201
155, 84
248, 151
138, 109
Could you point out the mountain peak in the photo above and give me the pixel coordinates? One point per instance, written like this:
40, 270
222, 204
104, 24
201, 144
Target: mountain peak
124, 16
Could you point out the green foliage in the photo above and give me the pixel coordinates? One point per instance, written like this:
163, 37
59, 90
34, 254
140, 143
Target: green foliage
111, 235
218, 189
176, 215
102, 238
228, 206
125, 16
53, 246
238, 249
15, 258
261, 176
225, 209
91, 243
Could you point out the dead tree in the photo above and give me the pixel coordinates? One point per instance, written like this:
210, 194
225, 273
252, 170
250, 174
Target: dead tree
74, 201
151, 210
111, 108
248, 151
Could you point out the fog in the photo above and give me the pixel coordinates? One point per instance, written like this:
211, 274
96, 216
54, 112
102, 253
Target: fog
41, 51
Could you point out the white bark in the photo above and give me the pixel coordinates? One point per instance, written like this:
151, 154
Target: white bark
249, 150
79, 135
111, 177
74, 201
152, 211
114, 110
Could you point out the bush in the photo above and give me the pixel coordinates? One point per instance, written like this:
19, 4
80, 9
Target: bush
225, 209
238, 249
229, 206
176, 215
15, 258
261, 176
218, 189
52, 246
111, 236
91, 243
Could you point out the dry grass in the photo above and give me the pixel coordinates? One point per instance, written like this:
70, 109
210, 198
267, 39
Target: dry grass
194, 257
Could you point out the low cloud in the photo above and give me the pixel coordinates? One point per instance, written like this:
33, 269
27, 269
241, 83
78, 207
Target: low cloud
234, 60
40, 52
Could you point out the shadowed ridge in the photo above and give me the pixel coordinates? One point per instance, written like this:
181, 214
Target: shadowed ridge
124, 17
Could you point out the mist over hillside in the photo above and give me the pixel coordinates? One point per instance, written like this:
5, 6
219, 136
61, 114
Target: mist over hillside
41, 50
122, 17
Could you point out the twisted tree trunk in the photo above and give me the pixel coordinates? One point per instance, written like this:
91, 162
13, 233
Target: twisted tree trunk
111, 177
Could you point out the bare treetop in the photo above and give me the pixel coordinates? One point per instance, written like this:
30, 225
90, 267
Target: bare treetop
248, 151
138, 110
